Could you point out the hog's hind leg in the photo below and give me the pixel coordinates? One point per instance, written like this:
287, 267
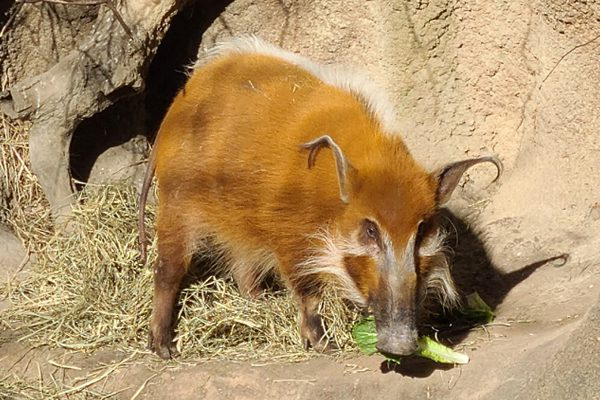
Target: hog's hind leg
173, 260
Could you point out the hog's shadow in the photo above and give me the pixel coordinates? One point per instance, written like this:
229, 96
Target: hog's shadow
472, 271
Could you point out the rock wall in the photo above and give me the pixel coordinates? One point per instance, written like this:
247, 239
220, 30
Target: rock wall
516, 78
63, 67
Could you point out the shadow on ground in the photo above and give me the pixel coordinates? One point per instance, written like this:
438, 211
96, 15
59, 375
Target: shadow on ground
473, 271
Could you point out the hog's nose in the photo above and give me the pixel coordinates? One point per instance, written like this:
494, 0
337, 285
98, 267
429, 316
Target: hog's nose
400, 345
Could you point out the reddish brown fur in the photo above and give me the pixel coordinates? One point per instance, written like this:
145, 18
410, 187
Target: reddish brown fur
229, 167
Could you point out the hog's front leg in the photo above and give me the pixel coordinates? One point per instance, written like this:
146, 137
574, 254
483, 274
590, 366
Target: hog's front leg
312, 329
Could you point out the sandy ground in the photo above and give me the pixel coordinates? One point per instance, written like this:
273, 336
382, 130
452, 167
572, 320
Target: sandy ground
535, 337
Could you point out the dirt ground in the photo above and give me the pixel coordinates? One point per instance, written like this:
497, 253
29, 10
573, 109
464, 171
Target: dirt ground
546, 329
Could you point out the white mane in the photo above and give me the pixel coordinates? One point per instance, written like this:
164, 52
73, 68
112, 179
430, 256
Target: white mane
340, 76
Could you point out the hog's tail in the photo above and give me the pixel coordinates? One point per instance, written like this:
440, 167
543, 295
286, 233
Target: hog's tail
143, 241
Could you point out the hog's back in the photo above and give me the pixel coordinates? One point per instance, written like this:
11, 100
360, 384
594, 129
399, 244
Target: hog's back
228, 157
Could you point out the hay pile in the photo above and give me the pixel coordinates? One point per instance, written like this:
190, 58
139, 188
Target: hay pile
86, 289
22, 204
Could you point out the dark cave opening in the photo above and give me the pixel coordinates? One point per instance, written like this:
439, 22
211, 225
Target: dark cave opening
179, 48
141, 113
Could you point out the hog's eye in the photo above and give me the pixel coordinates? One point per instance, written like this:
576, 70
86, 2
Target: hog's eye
421, 229
370, 230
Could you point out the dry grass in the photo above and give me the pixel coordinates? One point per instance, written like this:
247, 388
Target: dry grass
15, 387
22, 203
86, 289
51, 384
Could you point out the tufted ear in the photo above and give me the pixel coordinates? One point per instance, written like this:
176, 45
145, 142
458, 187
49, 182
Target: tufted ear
449, 176
342, 165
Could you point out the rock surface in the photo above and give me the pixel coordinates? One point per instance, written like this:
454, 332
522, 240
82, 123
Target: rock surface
12, 253
105, 65
14, 260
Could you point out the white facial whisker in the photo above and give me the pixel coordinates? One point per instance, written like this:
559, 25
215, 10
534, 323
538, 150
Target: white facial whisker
439, 280
328, 258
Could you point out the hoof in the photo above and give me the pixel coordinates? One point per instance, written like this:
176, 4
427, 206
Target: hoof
325, 346
164, 348
322, 345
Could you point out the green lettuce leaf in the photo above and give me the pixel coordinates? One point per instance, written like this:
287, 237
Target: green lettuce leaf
476, 310
364, 334
437, 352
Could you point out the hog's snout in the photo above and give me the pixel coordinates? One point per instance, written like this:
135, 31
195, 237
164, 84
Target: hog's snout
400, 344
